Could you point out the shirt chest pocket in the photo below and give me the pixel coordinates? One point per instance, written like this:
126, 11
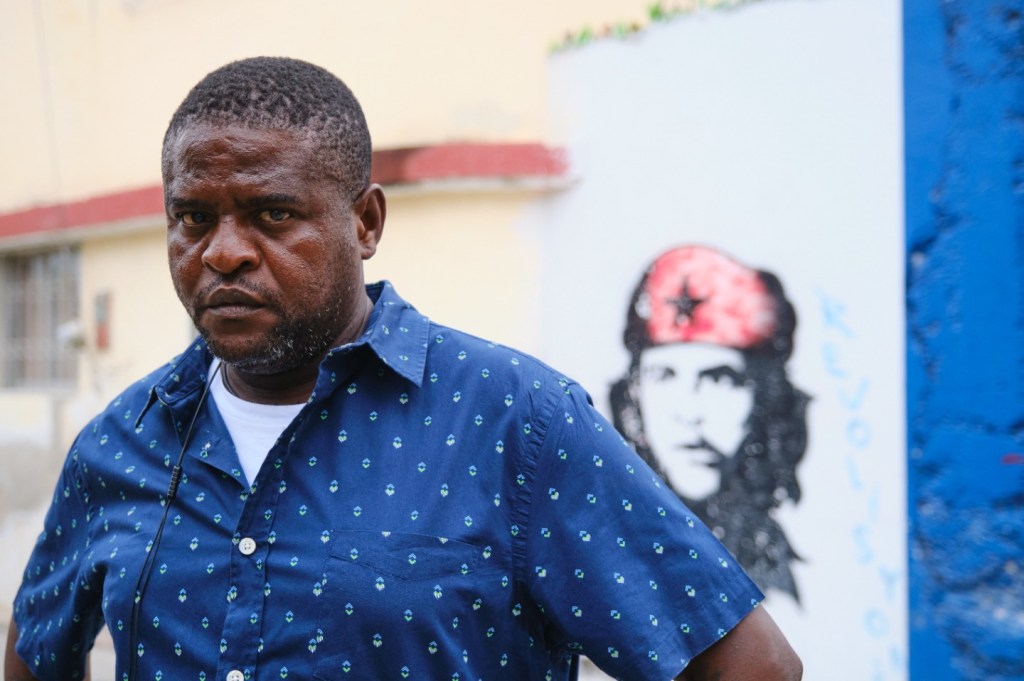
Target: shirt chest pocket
394, 595
401, 556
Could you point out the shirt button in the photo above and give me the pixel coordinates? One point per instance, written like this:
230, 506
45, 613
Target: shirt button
248, 547
235, 675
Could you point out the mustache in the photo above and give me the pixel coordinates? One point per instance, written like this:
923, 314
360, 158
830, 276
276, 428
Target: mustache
202, 298
704, 445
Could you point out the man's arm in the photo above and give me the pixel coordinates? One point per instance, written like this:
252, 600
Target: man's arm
14, 668
755, 650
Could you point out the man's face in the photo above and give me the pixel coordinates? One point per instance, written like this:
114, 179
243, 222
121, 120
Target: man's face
695, 405
265, 253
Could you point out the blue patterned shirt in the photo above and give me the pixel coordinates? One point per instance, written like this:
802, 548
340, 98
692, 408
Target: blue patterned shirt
442, 508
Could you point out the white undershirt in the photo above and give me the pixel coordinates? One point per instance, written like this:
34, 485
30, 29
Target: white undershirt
254, 428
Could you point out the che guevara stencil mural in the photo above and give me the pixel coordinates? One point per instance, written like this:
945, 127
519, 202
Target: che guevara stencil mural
707, 402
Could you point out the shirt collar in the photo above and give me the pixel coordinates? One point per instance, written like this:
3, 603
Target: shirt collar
182, 382
396, 332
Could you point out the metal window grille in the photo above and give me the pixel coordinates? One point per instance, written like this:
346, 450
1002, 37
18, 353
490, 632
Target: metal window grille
38, 294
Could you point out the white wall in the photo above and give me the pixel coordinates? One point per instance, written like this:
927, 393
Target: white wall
772, 132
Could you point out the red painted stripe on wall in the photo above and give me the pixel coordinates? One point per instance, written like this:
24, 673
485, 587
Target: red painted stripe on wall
451, 161
101, 209
390, 166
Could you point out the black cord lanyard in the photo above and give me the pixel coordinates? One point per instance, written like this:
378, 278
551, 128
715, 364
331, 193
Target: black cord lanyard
135, 647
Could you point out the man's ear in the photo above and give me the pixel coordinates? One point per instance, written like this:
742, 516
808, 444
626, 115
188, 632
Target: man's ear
370, 209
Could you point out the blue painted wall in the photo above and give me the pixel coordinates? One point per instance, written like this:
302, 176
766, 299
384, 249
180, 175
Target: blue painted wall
964, 89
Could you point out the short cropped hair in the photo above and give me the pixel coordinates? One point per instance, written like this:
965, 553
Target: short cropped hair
290, 94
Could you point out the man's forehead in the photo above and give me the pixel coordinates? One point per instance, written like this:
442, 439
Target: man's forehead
306, 147
268, 159
201, 142
236, 132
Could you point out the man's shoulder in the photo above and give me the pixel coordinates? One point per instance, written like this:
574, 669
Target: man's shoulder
137, 395
463, 347
495, 365
478, 364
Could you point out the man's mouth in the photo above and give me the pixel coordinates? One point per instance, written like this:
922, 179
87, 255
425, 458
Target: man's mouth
230, 303
702, 451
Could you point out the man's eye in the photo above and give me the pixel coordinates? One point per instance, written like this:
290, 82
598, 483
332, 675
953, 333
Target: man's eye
193, 219
660, 373
724, 375
274, 215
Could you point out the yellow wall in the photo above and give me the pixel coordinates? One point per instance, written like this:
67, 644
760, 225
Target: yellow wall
91, 84
465, 260
147, 324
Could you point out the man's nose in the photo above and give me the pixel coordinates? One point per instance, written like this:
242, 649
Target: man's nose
689, 407
690, 419
230, 247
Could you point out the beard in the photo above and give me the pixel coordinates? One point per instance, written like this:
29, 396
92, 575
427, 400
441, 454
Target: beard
291, 343
294, 341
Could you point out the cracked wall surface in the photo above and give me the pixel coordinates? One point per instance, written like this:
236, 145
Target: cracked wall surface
964, 96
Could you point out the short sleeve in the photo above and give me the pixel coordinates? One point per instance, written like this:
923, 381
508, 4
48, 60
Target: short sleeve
57, 608
623, 571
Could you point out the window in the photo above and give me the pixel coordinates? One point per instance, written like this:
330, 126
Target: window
38, 294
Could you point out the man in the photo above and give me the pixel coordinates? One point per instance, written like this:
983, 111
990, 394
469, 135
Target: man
363, 493
707, 402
